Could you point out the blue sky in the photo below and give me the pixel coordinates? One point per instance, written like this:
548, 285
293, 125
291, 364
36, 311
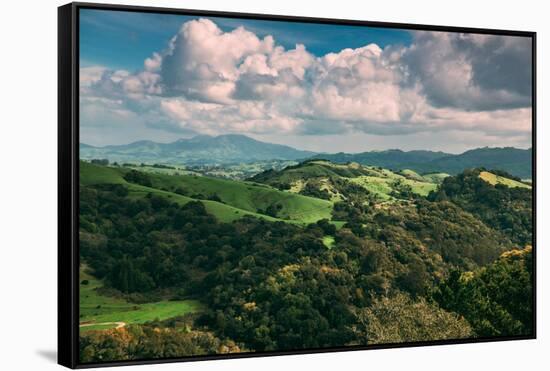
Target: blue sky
319, 87
123, 40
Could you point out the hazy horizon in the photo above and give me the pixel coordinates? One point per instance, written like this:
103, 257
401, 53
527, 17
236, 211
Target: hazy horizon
172, 140
317, 87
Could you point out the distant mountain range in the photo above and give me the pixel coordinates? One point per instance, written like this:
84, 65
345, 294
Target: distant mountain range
231, 149
201, 149
392, 158
515, 161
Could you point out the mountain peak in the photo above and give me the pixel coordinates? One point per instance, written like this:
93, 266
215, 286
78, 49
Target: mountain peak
200, 149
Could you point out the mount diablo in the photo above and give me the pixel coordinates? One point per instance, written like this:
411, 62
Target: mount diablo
199, 150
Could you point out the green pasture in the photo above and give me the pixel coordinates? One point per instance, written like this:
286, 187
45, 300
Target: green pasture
97, 308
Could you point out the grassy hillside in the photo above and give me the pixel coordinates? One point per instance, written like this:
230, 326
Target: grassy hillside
383, 182
95, 174
495, 179
247, 196
334, 180
435, 177
411, 174
235, 199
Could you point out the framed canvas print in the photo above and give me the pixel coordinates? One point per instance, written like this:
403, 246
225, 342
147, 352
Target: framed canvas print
235, 185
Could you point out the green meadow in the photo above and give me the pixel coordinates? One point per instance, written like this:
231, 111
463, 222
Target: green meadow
383, 183
103, 312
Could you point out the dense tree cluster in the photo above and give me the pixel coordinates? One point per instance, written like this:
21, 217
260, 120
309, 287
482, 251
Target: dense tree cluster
100, 161
399, 319
503, 208
313, 188
148, 342
271, 210
496, 299
138, 177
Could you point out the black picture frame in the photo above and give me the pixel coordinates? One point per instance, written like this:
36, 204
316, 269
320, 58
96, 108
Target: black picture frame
68, 177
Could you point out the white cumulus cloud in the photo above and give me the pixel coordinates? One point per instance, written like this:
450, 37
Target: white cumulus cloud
210, 81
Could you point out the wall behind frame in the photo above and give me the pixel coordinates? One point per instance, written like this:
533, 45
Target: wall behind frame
29, 183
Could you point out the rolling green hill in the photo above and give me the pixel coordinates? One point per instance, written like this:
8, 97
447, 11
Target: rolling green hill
226, 199
435, 177
411, 174
336, 182
248, 196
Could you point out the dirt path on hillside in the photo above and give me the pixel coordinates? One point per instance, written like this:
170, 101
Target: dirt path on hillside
118, 324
